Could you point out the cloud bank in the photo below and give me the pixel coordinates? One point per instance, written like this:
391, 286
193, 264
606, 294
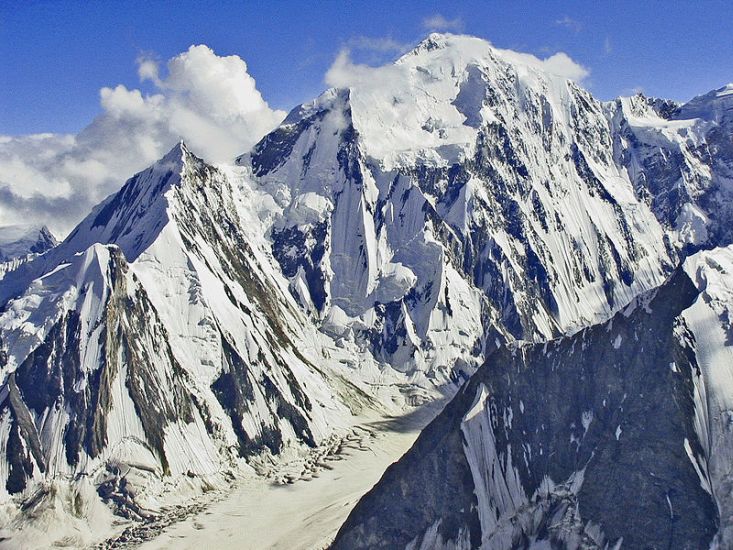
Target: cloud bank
209, 101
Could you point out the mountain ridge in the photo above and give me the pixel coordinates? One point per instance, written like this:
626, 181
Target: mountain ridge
369, 254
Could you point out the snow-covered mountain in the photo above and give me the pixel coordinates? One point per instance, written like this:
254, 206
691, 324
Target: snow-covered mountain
20, 243
371, 252
617, 436
154, 349
680, 160
465, 197
17, 241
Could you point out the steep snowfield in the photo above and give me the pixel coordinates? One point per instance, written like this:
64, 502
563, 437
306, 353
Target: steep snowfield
680, 160
710, 322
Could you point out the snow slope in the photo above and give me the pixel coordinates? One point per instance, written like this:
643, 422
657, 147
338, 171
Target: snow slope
710, 337
680, 160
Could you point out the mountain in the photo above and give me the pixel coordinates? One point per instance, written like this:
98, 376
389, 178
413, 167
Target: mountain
617, 436
680, 161
462, 197
155, 349
465, 204
17, 241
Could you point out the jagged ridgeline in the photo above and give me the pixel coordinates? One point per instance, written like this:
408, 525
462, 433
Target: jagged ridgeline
373, 250
466, 195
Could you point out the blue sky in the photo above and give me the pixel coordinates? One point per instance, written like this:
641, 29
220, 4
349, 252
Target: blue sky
55, 56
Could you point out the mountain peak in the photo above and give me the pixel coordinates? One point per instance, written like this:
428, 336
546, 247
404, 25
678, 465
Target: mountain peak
133, 216
176, 157
433, 41
715, 105
17, 241
447, 41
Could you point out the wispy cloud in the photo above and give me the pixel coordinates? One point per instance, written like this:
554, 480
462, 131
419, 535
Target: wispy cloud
438, 22
607, 46
634, 90
380, 44
569, 23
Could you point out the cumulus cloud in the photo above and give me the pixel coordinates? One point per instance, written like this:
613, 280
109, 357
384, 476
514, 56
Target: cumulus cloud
209, 101
438, 22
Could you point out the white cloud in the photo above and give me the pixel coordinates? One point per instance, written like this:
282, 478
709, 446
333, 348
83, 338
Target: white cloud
345, 73
559, 64
377, 44
569, 23
147, 69
209, 101
438, 22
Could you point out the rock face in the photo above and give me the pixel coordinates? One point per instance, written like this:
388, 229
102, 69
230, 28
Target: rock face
588, 441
